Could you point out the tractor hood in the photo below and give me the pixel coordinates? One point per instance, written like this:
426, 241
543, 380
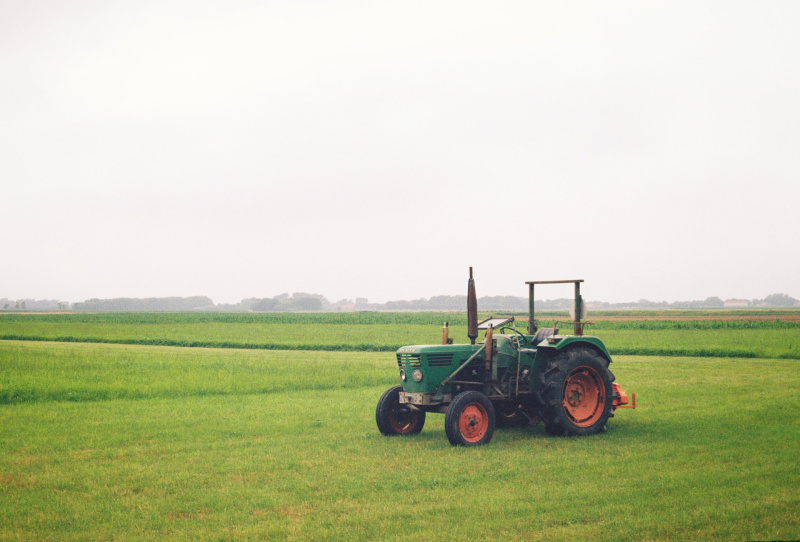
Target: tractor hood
439, 348
423, 367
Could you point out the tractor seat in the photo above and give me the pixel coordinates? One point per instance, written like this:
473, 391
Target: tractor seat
540, 336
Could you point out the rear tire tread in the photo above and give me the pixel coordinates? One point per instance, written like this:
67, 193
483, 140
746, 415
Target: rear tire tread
550, 385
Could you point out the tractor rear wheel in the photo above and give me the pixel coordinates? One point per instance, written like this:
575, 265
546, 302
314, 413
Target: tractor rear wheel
469, 420
576, 393
396, 419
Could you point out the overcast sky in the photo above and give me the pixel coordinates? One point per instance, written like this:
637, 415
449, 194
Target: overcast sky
379, 149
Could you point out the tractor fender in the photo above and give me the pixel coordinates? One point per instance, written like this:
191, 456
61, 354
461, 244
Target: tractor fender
546, 350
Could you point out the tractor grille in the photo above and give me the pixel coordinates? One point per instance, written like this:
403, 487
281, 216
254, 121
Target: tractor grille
411, 359
440, 360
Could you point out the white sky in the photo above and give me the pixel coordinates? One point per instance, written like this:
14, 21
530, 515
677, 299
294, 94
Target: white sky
379, 149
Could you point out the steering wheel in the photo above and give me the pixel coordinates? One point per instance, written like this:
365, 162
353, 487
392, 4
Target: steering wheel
521, 340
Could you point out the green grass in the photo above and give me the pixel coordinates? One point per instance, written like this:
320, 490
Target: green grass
265, 336
738, 343
389, 331
35, 372
200, 444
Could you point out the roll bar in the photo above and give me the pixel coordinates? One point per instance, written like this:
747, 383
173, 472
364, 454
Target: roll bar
532, 327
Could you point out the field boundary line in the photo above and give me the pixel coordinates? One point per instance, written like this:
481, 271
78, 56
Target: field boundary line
10, 398
209, 344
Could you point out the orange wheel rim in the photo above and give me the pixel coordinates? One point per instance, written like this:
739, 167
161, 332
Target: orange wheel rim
403, 419
473, 422
584, 396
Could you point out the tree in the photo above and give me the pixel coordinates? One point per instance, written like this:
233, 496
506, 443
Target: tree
308, 303
780, 300
266, 304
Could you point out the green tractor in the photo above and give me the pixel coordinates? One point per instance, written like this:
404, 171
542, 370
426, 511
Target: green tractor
509, 379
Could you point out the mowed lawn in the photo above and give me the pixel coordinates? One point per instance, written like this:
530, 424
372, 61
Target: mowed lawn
198, 443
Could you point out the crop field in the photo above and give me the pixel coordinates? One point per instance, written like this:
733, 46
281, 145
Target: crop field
107, 434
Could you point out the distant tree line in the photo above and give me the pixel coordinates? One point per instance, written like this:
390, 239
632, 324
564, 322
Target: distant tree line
33, 305
300, 301
289, 303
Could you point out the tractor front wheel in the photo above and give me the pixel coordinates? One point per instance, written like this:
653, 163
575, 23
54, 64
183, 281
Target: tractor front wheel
396, 419
577, 394
469, 420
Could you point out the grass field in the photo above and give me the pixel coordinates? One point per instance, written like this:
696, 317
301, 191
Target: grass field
131, 442
730, 336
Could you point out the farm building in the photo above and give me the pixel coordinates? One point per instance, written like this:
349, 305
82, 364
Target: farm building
736, 303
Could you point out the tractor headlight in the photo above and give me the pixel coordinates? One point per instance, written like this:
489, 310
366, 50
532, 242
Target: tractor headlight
403, 375
416, 375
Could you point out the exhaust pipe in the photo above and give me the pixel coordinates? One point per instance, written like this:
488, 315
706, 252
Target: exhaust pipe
472, 310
